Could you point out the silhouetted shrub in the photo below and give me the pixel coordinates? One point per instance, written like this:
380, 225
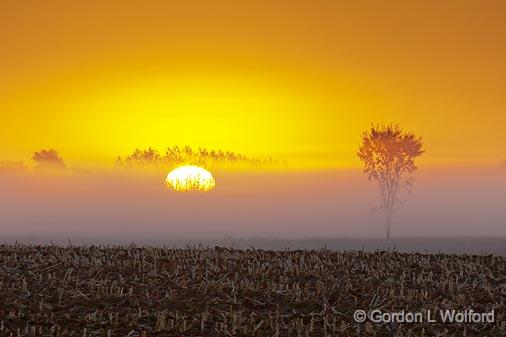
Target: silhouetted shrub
48, 159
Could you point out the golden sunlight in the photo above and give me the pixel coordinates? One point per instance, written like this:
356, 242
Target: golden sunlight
190, 178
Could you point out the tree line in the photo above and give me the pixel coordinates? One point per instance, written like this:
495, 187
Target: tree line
201, 156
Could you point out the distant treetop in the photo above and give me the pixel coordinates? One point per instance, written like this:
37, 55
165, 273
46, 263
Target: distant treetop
12, 166
187, 155
48, 159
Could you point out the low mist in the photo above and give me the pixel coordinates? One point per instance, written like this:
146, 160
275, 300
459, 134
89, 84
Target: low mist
298, 205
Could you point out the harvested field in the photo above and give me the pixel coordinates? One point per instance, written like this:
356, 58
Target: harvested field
132, 291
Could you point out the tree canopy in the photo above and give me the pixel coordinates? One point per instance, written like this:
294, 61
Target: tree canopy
48, 159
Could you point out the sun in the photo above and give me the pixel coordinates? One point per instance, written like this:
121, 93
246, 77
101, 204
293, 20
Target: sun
190, 178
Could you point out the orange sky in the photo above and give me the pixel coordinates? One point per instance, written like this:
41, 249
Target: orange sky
295, 79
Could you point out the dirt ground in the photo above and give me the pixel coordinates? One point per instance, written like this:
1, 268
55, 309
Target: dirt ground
146, 291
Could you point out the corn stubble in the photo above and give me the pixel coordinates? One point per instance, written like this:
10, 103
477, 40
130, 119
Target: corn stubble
132, 291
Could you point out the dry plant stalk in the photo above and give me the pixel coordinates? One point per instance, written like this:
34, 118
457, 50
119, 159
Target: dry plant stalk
134, 291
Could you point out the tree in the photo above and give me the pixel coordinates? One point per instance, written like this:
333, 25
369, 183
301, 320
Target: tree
12, 167
48, 159
388, 154
176, 155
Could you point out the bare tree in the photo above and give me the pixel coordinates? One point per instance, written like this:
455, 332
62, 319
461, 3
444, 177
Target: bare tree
48, 159
388, 154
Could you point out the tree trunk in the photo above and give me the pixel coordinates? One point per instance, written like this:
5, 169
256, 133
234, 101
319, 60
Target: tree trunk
389, 224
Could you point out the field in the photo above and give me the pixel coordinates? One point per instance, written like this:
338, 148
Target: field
146, 291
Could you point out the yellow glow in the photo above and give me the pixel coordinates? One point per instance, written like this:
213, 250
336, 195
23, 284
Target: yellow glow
190, 178
301, 87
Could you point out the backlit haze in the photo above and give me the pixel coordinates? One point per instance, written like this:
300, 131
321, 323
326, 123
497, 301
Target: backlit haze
298, 81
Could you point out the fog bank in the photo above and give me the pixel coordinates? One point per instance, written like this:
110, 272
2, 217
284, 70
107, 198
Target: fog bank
295, 205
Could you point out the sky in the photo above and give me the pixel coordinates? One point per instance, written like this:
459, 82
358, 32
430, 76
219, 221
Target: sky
298, 80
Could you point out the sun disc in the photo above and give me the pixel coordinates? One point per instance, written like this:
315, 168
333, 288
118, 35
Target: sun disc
190, 178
